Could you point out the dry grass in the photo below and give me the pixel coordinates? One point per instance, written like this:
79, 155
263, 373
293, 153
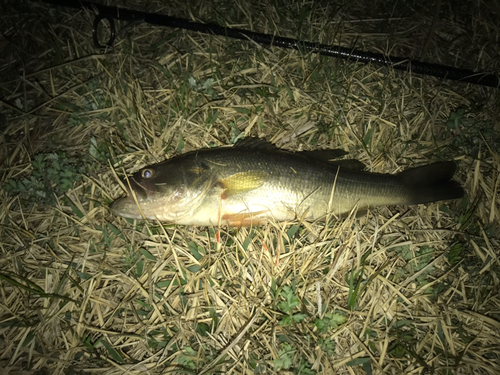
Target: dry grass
401, 290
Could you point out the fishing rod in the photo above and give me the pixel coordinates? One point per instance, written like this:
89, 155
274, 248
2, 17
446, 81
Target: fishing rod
134, 17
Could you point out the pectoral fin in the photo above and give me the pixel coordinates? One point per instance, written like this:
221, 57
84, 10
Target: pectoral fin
242, 182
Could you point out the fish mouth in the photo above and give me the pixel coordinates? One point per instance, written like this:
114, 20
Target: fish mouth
140, 191
128, 206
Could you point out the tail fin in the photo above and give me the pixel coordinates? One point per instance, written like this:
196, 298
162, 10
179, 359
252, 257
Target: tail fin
432, 183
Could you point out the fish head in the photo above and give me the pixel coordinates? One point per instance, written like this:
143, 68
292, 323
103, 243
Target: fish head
166, 191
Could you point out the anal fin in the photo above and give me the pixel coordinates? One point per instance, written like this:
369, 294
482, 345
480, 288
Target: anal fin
244, 219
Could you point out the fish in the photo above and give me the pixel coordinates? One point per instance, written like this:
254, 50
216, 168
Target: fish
254, 182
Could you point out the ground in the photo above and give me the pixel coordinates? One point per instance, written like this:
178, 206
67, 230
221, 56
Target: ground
404, 290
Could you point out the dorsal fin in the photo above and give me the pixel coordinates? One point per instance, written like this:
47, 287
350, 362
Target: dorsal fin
352, 164
323, 155
328, 155
262, 144
254, 142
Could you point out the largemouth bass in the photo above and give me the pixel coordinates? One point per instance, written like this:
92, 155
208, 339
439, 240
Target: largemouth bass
253, 182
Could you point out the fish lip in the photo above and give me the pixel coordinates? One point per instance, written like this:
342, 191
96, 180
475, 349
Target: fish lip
127, 206
122, 207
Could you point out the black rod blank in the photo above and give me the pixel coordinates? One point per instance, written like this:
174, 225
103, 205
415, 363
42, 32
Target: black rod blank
399, 63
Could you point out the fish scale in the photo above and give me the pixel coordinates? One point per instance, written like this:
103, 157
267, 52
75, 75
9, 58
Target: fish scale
253, 182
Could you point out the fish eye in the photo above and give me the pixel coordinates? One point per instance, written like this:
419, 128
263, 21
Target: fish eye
147, 173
